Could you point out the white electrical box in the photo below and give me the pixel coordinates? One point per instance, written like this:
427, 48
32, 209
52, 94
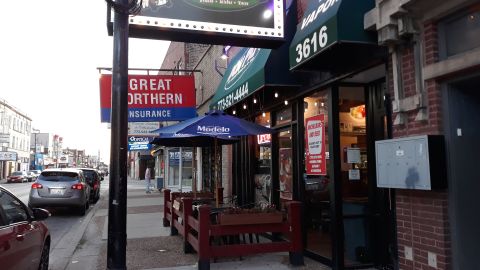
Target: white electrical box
411, 163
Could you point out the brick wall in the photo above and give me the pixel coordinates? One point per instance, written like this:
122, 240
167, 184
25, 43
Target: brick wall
422, 224
422, 216
175, 53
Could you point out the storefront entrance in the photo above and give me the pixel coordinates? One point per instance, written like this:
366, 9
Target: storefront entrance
461, 129
348, 221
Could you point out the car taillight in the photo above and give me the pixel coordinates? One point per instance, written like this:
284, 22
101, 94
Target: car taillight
37, 186
77, 186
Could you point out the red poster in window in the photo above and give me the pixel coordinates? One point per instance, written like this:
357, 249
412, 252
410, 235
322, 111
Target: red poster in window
315, 145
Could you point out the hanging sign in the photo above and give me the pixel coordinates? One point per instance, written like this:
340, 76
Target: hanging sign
246, 23
8, 156
315, 145
137, 143
152, 98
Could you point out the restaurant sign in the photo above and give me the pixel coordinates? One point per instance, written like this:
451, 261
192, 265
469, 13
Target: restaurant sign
242, 22
8, 156
315, 145
152, 98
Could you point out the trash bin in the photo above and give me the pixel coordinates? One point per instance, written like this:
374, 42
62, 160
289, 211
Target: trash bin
159, 183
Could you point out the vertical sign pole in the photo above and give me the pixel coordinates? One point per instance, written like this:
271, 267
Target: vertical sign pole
117, 202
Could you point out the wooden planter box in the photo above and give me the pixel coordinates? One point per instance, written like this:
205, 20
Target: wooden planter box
250, 218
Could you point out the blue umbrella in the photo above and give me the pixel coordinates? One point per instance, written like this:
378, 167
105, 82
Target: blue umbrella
216, 124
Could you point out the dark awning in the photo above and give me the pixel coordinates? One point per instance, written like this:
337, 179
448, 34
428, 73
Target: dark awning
333, 27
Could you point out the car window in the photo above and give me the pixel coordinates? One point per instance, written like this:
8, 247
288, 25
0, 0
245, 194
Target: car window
17, 173
13, 209
90, 175
55, 176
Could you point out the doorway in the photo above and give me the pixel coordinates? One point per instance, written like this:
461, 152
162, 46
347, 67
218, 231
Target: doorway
462, 100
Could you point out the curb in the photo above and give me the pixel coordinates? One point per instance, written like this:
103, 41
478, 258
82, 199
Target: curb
64, 250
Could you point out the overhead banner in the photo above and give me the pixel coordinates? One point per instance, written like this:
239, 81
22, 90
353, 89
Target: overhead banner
257, 23
315, 145
152, 98
8, 156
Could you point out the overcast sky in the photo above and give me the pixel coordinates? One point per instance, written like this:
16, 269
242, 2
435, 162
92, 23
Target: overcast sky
49, 52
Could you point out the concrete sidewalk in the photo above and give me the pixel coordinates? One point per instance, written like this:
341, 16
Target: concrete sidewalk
149, 244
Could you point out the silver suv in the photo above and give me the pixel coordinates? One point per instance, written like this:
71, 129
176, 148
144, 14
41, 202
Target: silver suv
60, 188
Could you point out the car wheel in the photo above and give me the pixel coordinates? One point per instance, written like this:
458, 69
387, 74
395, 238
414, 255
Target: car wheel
45, 257
82, 210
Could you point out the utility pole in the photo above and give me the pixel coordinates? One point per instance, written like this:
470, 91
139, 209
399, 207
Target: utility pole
117, 210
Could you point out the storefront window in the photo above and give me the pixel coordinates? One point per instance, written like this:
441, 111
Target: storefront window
283, 116
263, 175
187, 169
173, 167
317, 181
286, 166
180, 167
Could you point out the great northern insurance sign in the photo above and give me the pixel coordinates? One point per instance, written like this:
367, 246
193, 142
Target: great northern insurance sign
152, 98
252, 23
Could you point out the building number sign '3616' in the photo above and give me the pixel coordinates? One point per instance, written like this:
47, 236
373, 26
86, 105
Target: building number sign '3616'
311, 45
318, 35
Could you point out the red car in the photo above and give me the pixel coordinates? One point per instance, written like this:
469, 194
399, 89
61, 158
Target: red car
24, 237
19, 176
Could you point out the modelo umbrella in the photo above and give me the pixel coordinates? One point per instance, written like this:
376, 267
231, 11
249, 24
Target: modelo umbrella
217, 125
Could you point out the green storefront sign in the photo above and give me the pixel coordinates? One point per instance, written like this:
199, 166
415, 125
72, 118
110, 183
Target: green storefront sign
243, 77
326, 23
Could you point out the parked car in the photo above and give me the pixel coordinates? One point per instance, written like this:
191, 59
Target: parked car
36, 173
61, 188
31, 176
18, 176
94, 179
24, 236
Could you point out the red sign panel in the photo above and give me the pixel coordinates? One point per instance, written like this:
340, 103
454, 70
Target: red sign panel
315, 145
152, 98
264, 138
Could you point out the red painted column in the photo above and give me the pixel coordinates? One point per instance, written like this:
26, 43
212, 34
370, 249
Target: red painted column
166, 210
204, 238
294, 212
173, 230
187, 214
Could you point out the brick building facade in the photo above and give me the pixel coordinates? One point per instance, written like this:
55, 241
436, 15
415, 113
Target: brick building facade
417, 75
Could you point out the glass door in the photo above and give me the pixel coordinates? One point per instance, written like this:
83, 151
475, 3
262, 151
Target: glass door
317, 180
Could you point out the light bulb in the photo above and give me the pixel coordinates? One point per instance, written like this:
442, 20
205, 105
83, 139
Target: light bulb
255, 101
276, 94
264, 114
286, 102
234, 112
244, 106
316, 104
